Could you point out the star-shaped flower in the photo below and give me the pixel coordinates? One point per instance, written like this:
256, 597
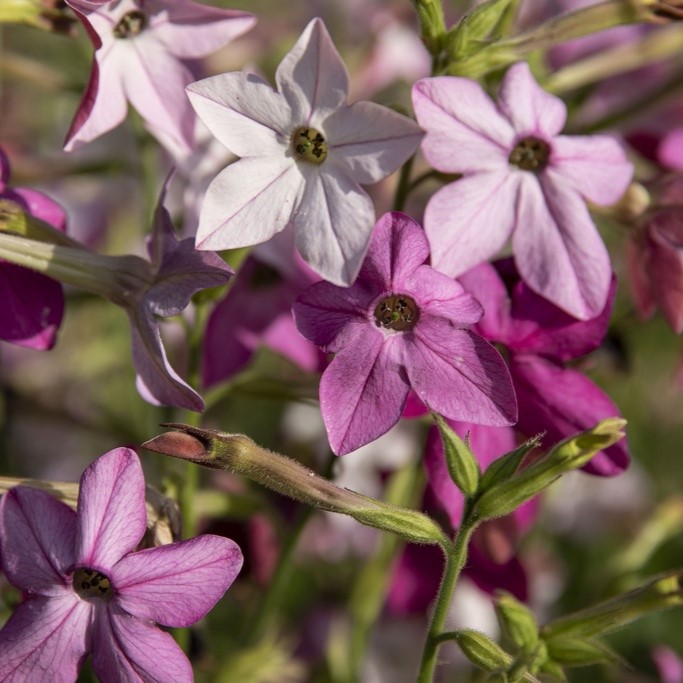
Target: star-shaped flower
402, 325
521, 178
304, 152
142, 53
88, 591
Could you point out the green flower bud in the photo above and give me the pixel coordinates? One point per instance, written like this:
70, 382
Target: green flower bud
471, 32
462, 466
506, 466
553, 670
517, 621
482, 651
579, 652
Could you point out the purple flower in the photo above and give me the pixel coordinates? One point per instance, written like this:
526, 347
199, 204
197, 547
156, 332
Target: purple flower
142, 52
88, 591
521, 179
33, 304
402, 325
305, 151
540, 340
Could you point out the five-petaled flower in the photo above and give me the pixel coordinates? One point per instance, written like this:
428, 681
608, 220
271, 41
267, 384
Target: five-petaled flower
521, 178
89, 592
402, 325
305, 151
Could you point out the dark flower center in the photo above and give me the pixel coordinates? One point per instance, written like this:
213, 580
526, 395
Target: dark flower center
264, 277
398, 312
131, 24
89, 583
309, 145
530, 154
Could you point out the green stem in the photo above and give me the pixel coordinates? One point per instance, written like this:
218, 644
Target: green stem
403, 188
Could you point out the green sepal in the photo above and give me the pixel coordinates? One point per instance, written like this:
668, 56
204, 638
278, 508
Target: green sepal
517, 621
504, 468
462, 465
473, 30
432, 24
553, 670
482, 651
581, 652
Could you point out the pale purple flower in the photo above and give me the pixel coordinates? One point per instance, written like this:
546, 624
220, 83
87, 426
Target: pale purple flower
521, 178
142, 53
402, 325
304, 152
89, 592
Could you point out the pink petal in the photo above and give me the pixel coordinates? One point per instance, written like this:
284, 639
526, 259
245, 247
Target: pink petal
530, 109
594, 165
470, 220
128, 649
37, 536
45, 639
248, 202
177, 584
670, 151
333, 224
111, 510
370, 140
558, 250
465, 132
41, 206
362, 392
641, 289
312, 77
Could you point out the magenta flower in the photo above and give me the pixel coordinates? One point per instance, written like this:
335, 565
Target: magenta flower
142, 53
521, 179
33, 304
402, 325
88, 591
305, 151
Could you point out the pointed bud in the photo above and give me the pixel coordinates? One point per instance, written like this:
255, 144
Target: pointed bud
504, 468
580, 652
517, 621
432, 24
482, 651
471, 32
462, 465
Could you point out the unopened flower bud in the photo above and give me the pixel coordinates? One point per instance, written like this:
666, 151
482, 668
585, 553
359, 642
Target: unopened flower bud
482, 651
517, 621
581, 652
462, 465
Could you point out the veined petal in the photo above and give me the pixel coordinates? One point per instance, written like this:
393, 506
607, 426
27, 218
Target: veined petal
458, 374
244, 113
558, 250
529, 108
362, 392
248, 202
45, 639
111, 510
37, 537
465, 131
177, 584
371, 140
312, 76
594, 165
469, 220
128, 649
333, 224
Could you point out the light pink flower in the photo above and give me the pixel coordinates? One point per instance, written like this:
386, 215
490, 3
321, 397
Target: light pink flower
304, 152
521, 179
142, 53
89, 592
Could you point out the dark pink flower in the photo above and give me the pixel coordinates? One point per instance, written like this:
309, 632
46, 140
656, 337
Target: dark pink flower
89, 592
402, 325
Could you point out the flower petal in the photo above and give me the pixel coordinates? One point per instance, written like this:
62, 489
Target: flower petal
370, 140
248, 202
312, 76
177, 584
529, 108
45, 639
41, 206
112, 517
362, 392
37, 536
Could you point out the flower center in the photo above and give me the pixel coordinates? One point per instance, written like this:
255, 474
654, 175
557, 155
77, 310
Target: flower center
131, 24
309, 145
398, 312
89, 583
264, 277
530, 154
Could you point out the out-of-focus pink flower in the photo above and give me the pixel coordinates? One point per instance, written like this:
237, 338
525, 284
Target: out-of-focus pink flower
32, 304
89, 592
304, 152
142, 52
521, 179
670, 150
669, 664
402, 325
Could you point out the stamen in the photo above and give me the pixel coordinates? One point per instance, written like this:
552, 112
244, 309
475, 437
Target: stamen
130, 24
530, 154
398, 312
309, 145
89, 583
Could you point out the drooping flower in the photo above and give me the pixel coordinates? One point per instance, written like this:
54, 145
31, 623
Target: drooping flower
142, 53
32, 304
88, 591
402, 325
304, 152
521, 179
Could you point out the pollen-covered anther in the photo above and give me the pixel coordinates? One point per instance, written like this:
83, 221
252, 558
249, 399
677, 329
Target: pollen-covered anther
530, 154
89, 583
308, 144
398, 312
130, 24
